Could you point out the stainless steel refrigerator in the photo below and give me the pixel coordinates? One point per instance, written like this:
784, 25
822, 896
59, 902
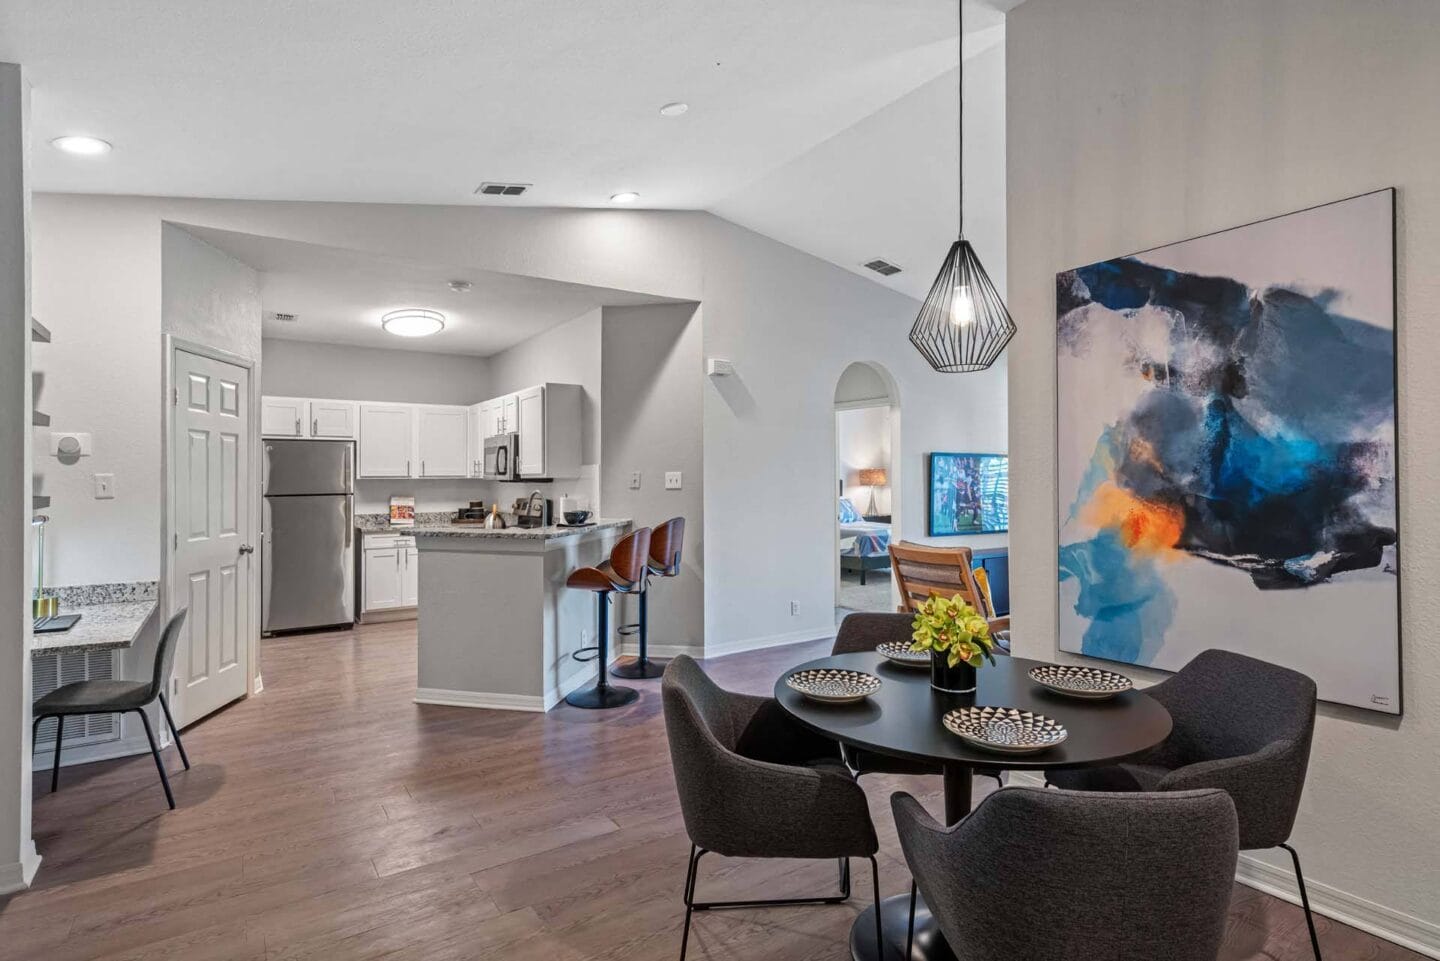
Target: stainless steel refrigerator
308, 538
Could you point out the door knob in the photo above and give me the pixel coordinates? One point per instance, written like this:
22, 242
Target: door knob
246, 549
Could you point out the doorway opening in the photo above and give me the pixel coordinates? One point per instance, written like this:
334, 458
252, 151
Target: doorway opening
867, 485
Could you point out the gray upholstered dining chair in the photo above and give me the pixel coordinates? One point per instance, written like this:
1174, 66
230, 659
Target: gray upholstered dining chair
865, 631
1073, 876
1242, 725
754, 784
118, 697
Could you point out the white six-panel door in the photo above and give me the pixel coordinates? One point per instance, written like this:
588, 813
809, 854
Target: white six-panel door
212, 560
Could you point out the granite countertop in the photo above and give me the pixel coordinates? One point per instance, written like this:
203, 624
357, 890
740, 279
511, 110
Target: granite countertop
550, 533
101, 627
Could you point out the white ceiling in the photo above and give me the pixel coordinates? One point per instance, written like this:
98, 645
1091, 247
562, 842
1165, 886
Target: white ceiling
340, 295
795, 105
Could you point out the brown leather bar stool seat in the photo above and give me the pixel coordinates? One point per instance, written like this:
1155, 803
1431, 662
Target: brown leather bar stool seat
623, 573
666, 542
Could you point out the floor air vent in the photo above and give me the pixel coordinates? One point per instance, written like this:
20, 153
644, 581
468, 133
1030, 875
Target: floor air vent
883, 267
492, 189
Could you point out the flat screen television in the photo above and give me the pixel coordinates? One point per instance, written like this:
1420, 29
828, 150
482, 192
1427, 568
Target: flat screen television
969, 494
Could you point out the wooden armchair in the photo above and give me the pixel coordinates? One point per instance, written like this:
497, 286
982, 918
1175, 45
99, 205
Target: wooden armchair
948, 571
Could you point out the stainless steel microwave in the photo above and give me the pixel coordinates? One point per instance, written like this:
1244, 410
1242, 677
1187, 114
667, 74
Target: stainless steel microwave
501, 451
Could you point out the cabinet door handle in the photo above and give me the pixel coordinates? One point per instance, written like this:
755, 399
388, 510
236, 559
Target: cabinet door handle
297, 427
407, 468
422, 467
314, 426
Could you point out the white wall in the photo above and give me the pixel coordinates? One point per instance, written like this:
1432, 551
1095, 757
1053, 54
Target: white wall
17, 852
207, 296
298, 368
651, 415
862, 439
1135, 124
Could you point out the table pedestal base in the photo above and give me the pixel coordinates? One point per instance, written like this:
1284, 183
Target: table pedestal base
930, 944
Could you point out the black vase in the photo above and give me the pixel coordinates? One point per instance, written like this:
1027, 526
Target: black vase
959, 679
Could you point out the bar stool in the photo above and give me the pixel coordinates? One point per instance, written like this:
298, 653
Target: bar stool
623, 573
664, 561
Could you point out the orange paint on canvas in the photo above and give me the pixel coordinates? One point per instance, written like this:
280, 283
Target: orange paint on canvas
1146, 526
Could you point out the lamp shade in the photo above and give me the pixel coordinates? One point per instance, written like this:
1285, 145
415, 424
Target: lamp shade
873, 477
963, 325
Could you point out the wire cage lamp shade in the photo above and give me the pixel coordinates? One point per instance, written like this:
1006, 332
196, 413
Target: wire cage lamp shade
963, 325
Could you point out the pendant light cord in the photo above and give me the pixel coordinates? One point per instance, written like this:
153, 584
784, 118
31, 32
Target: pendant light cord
960, 114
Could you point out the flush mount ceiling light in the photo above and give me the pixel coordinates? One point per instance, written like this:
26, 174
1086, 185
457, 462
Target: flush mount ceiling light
963, 325
674, 109
413, 322
624, 197
81, 146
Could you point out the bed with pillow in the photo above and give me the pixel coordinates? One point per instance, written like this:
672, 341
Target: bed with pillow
864, 545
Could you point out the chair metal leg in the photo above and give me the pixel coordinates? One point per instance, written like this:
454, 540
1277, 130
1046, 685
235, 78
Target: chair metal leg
845, 876
689, 899
840, 898
155, 753
1305, 901
59, 738
879, 929
910, 929
35, 732
174, 731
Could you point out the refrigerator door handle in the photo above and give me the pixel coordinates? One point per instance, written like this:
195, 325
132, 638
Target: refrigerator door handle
265, 564
349, 521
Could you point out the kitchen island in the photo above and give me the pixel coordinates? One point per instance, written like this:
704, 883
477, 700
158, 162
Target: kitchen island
497, 624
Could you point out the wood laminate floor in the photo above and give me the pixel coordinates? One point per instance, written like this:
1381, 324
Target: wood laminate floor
331, 817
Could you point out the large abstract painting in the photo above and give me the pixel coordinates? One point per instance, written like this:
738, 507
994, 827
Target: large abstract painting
1226, 447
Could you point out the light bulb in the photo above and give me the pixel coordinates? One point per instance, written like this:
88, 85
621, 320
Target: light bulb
962, 307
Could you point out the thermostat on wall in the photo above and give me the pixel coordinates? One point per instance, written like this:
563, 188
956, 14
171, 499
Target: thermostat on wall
716, 367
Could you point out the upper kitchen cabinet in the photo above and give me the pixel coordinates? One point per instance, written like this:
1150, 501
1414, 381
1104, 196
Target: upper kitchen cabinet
507, 419
332, 418
283, 416
443, 444
387, 440
548, 422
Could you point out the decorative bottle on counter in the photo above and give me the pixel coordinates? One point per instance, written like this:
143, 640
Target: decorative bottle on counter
495, 522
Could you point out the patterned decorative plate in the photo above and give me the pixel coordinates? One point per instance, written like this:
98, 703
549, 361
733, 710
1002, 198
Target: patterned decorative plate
899, 652
1090, 683
1005, 730
834, 686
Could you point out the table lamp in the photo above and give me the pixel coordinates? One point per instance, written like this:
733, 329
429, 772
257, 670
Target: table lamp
873, 477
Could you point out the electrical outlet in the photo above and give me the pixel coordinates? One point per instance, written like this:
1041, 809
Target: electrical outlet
794, 608
104, 487
634, 480
672, 480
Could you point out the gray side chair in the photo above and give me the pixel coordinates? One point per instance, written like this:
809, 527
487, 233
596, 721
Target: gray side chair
754, 784
1074, 876
118, 697
1242, 725
861, 632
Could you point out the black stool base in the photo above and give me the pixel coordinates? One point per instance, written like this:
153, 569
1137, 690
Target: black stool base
600, 698
636, 669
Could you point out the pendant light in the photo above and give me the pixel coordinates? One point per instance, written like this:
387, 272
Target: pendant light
963, 325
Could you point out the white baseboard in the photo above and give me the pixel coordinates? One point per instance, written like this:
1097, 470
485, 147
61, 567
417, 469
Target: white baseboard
17, 875
495, 701
1417, 934
726, 648
1408, 931
663, 650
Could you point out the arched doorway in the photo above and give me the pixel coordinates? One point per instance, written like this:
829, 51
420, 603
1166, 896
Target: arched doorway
867, 487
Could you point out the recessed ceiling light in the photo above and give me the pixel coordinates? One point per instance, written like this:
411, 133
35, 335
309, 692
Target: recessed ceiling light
674, 109
460, 286
413, 322
83, 146
624, 197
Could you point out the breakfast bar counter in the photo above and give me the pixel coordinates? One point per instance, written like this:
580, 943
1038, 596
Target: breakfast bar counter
497, 626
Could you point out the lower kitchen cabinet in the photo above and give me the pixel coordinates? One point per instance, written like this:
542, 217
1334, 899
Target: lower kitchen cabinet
391, 575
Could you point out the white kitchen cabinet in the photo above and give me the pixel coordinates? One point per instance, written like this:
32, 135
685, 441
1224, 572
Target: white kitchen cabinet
332, 418
507, 414
387, 440
410, 578
530, 422
383, 582
282, 416
442, 447
549, 425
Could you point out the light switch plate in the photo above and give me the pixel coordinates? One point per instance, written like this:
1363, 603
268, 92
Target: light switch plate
634, 480
104, 487
672, 480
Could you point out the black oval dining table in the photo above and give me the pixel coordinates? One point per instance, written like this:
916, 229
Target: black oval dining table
902, 719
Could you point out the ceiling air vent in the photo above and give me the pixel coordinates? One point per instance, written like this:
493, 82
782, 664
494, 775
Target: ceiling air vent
285, 318
493, 189
883, 267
